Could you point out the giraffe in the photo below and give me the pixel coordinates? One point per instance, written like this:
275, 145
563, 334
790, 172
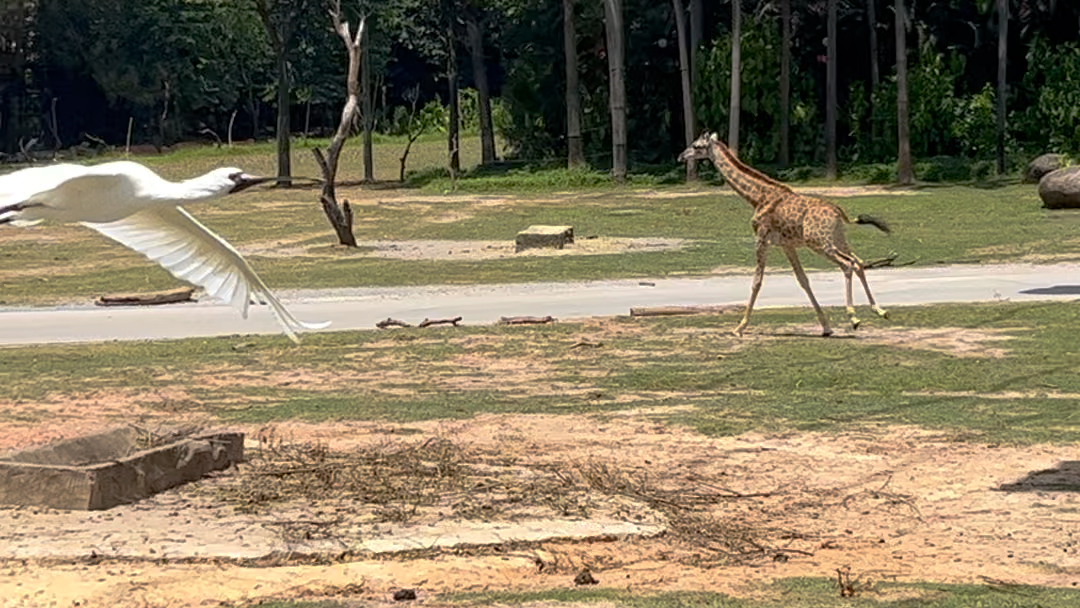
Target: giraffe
790, 220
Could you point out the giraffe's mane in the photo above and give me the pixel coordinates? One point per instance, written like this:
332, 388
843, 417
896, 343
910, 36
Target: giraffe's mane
747, 168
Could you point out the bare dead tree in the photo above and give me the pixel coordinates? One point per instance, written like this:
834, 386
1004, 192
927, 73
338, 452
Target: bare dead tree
414, 129
340, 216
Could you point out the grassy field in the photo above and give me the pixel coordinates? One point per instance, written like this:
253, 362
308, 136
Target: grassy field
790, 593
997, 372
933, 225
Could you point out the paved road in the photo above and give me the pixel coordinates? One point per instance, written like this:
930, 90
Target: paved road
362, 308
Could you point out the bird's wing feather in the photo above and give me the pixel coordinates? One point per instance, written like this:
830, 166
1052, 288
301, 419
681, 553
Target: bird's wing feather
191, 251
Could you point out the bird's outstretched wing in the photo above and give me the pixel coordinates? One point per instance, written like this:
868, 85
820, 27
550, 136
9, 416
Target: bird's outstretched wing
171, 237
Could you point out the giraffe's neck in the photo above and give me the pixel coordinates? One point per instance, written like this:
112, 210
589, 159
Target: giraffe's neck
748, 182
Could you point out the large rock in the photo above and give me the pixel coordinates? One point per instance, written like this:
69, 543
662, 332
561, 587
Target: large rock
1061, 189
1042, 165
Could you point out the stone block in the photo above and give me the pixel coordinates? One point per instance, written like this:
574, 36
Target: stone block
106, 469
537, 237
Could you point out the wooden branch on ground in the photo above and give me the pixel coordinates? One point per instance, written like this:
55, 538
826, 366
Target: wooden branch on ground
664, 311
429, 322
180, 294
391, 323
526, 320
887, 262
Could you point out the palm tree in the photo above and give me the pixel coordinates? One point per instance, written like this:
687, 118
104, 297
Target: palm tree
1003, 87
904, 173
785, 83
575, 154
830, 95
687, 96
735, 104
613, 27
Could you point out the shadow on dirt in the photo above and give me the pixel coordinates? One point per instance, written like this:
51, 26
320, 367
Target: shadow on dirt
1063, 478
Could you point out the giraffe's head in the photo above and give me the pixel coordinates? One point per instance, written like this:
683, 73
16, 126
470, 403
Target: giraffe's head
701, 149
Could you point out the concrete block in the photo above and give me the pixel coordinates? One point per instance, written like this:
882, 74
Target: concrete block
535, 237
106, 469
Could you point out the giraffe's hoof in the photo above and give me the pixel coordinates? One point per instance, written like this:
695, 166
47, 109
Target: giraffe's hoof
855, 323
825, 333
884, 314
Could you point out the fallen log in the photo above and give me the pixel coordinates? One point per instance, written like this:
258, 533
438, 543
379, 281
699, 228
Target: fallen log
388, 322
180, 294
526, 320
429, 322
663, 311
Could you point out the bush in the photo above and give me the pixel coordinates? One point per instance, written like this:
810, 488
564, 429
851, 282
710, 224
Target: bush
878, 173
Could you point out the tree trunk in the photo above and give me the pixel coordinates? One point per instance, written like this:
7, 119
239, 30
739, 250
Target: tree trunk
367, 112
453, 133
283, 119
1003, 86
613, 27
735, 102
830, 96
697, 33
871, 19
341, 217
575, 153
785, 83
875, 71
479, 68
687, 95
904, 172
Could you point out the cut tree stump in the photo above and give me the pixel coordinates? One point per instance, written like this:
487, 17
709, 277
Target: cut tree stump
538, 237
180, 294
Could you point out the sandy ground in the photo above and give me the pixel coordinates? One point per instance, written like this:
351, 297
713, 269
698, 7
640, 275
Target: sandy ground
894, 504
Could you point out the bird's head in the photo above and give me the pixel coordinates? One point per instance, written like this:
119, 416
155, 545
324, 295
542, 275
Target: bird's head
700, 149
228, 180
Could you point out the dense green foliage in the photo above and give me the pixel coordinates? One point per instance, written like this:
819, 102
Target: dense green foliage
191, 68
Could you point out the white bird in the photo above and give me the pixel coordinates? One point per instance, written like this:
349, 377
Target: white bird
131, 204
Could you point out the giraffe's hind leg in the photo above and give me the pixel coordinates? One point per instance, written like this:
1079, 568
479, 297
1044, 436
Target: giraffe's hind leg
849, 263
800, 276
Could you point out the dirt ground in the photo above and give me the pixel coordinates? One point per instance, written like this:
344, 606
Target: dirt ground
891, 504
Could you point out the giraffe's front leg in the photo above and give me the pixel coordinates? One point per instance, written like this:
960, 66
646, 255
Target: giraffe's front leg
759, 274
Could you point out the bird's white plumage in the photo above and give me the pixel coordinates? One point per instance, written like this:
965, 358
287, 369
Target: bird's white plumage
132, 205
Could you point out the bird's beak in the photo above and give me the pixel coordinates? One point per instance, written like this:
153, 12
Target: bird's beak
246, 181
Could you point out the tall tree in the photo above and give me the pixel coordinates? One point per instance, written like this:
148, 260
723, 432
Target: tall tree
904, 173
1002, 84
281, 18
875, 71
697, 34
830, 94
366, 110
453, 132
616, 57
785, 83
735, 103
575, 153
474, 31
341, 217
687, 94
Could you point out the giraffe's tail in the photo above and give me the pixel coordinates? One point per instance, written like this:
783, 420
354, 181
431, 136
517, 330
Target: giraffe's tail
873, 221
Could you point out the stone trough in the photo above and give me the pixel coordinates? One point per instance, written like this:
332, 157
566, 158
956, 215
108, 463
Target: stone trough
113, 467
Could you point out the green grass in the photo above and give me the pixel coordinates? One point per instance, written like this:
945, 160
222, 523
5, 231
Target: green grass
801, 593
939, 224
689, 369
